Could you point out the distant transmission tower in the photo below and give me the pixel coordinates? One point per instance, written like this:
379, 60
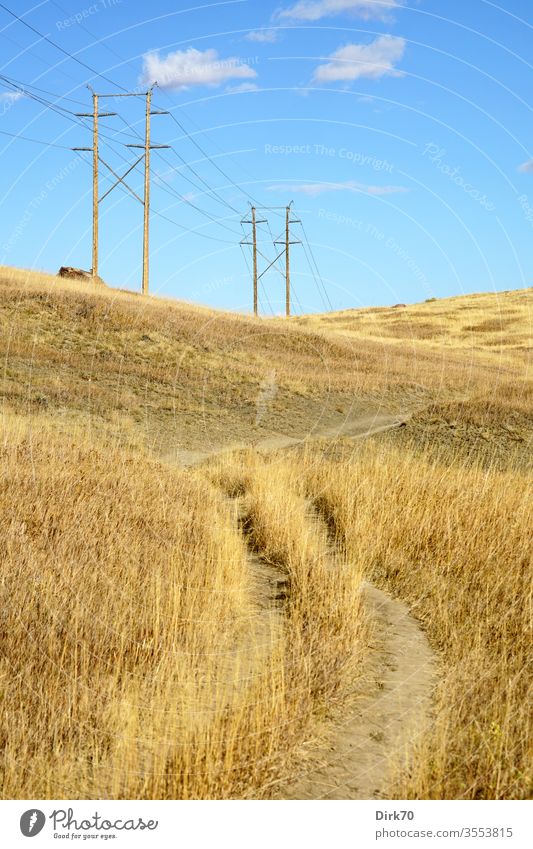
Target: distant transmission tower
255, 278
287, 242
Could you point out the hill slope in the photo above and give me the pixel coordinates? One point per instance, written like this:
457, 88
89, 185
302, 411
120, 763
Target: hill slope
172, 377
195, 632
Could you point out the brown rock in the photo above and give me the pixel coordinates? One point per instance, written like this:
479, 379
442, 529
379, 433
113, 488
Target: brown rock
78, 274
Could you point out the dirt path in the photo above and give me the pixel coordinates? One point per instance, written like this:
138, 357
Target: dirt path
392, 703
357, 428
392, 708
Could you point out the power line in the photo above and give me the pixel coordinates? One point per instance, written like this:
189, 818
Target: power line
88, 67
316, 267
35, 141
25, 86
62, 111
212, 161
104, 77
162, 215
73, 117
58, 47
212, 191
313, 274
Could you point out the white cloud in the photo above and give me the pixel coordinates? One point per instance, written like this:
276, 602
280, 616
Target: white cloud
315, 189
527, 167
266, 36
314, 10
10, 96
191, 67
235, 89
353, 61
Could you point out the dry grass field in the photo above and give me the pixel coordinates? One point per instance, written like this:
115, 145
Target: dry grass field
497, 325
139, 657
453, 539
194, 633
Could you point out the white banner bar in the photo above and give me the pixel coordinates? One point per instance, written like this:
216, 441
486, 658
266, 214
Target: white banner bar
267, 825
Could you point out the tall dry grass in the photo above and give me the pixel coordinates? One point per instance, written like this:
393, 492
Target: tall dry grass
453, 540
140, 657
125, 601
322, 611
137, 659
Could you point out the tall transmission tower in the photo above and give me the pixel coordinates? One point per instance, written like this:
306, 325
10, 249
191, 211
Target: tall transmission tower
94, 115
120, 179
287, 242
254, 222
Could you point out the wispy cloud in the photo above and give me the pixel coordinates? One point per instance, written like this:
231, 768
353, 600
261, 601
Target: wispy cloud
265, 36
314, 10
527, 167
191, 67
354, 61
315, 189
10, 96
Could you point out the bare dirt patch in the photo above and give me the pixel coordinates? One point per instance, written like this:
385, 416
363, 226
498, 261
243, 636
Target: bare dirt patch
392, 709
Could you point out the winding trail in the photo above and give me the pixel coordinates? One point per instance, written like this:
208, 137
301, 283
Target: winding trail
391, 710
392, 701
356, 428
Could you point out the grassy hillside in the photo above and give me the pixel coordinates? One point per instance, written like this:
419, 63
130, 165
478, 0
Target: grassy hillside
172, 377
191, 633
498, 325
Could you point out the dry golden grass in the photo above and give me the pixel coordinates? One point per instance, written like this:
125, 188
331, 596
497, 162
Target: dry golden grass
494, 430
170, 376
137, 658
496, 325
142, 655
453, 540
322, 606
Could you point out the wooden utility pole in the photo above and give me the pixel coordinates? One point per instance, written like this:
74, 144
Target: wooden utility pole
254, 234
255, 277
94, 264
287, 242
146, 147
94, 115
287, 262
146, 191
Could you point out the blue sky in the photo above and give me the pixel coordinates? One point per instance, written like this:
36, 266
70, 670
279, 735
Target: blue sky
401, 130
